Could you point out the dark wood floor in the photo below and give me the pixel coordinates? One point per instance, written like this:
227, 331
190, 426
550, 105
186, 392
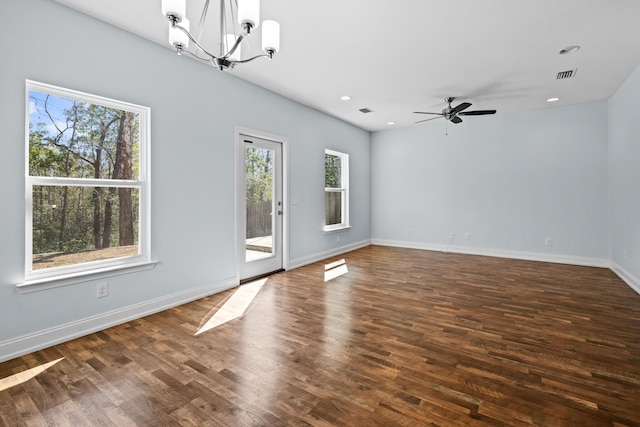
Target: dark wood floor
405, 337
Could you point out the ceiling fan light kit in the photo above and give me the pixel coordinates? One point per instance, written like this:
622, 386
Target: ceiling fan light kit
248, 17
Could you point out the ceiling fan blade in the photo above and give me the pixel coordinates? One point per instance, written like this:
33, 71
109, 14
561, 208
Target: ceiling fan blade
424, 112
460, 107
426, 120
477, 112
456, 119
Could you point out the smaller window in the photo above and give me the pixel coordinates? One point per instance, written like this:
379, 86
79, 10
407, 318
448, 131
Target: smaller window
336, 187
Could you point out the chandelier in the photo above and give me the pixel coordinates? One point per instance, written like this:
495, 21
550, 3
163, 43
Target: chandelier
247, 14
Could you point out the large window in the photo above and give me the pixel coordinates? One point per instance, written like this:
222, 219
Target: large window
336, 183
87, 183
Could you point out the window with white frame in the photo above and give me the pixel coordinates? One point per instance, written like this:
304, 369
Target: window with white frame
336, 183
87, 184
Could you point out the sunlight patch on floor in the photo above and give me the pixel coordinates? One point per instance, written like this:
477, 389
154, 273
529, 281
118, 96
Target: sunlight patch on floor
24, 376
335, 269
235, 306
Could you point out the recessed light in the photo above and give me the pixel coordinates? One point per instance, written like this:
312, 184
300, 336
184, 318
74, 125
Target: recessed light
569, 49
391, 123
554, 99
345, 98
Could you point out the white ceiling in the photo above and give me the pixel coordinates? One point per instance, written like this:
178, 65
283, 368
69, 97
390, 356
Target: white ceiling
399, 56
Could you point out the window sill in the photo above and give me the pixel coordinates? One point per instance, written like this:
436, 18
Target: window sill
337, 229
41, 284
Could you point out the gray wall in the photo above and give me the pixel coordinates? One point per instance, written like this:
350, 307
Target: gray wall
192, 151
511, 180
624, 178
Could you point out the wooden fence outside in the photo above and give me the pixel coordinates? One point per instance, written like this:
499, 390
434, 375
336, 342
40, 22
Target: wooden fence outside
333, 208
259, 219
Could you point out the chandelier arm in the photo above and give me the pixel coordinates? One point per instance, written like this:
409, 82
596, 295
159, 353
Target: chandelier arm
206, 60
195, 41
235, 46
264, 55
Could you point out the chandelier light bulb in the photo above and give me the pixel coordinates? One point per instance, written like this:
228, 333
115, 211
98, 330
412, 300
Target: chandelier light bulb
175, 8
270, 36
249, 13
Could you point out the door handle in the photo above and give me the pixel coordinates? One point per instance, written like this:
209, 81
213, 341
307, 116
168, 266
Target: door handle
279, 212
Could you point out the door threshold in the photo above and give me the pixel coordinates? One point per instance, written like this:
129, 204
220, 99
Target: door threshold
260, 276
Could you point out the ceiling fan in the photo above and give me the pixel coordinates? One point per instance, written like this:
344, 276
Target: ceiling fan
452, 113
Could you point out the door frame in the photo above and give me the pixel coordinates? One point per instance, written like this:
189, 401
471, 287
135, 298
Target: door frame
239, 152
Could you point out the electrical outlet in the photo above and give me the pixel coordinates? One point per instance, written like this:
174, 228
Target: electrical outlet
452, 235
408, 232
103, 289
467, 236
338, 238
549, 241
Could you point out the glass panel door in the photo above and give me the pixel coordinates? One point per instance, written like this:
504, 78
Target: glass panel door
260, 209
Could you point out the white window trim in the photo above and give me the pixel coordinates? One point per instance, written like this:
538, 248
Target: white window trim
344, 189
61, 276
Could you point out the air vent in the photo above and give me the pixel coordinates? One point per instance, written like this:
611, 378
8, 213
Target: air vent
366, 110
566, 74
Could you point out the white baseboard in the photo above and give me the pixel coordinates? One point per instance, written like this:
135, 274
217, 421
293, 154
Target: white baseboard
299, 262
25, 344
628, 278
529, 256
